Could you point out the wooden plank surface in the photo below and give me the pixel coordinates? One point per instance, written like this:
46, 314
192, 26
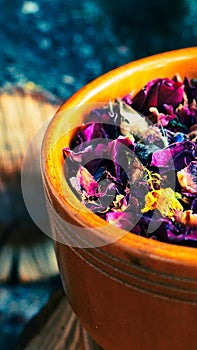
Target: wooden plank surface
56, 327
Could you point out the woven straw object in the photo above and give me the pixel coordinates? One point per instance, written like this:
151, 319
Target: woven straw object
26, 253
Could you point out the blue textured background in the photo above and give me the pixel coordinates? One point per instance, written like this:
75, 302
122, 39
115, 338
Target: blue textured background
63, 44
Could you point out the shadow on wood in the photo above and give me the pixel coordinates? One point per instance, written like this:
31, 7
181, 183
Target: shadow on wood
56, 327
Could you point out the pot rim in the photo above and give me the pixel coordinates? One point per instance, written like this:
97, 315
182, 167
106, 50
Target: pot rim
130, 243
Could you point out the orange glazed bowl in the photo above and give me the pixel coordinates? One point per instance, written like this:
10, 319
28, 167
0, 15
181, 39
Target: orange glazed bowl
129, 292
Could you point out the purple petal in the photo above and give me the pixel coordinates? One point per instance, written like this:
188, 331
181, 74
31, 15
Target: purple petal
157, 93
176, 156
190, 90
87, 181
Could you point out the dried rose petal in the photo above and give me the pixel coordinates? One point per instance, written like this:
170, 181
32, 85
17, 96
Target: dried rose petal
176, 156
76, 156
157, 93
87, 181
162, 119
187, 177
120, 219
186, 218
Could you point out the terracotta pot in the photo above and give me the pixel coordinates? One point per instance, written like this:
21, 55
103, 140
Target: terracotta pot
134, 293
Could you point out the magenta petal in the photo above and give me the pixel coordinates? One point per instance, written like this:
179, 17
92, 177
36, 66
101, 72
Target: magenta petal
127, 99
176, 156
76, 156
139, 100
145, 98
120, 219
152, 98
171, 92
93, 131
157, 93
162, 158
87, 181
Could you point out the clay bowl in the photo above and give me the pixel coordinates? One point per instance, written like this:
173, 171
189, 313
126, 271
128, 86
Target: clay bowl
129, 292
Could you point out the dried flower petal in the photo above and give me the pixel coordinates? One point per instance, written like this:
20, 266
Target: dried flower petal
157, 93
164, 200
177, 155
131, 121
186, 218
163, 119
187, 177
120, 219
87, 181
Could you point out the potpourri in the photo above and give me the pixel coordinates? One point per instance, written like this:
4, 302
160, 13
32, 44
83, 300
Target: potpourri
134, 161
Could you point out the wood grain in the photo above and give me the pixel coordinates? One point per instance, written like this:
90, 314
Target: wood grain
56, 327
25, 252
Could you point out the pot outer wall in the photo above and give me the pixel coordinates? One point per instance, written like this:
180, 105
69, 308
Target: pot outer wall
126, 315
